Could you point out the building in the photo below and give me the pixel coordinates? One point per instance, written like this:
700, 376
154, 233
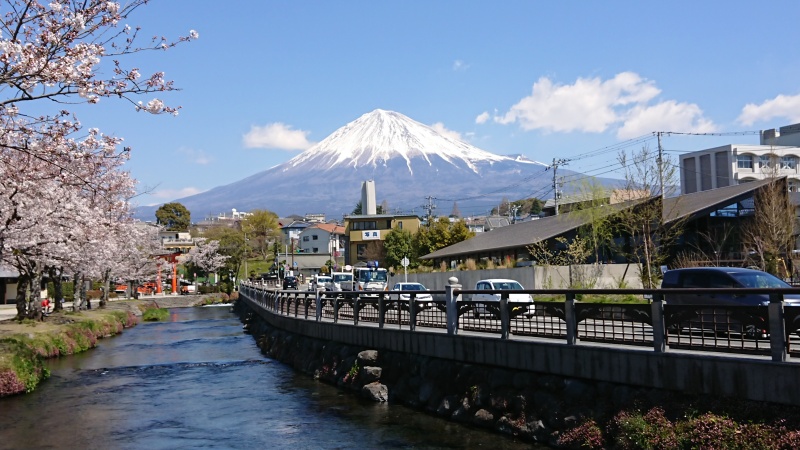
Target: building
325, 238
704, 212
291, 231
363, 231
176, 241
734, 164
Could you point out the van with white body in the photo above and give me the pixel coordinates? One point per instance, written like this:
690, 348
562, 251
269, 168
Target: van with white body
370, 279
339, 281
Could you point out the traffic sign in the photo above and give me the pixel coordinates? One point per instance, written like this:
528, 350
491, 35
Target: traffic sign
404, 262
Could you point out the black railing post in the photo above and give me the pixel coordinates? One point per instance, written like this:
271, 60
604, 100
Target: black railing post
356, 304
318, 306
777, 328
412, 311
659, 328
569, 317
336, 309
505, 319
451, 304
381, 311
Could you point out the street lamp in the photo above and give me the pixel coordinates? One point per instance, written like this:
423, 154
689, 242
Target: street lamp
246, 275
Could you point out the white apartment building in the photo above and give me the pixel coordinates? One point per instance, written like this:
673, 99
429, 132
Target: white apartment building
322, 238
728, 165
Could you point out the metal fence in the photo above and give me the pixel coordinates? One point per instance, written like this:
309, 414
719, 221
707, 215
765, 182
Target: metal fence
771, 329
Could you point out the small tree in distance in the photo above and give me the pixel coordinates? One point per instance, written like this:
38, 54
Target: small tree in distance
174, 216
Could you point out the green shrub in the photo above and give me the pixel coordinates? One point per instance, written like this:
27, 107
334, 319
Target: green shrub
155, 315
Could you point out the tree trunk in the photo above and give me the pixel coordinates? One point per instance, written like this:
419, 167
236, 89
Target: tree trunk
77, 303
35, 311
58, 288
85, 301
106, 285
22, 298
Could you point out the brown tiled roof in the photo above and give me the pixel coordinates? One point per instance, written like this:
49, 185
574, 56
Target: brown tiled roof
330, 228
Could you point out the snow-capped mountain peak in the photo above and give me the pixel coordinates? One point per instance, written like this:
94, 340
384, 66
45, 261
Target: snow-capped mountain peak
380, 135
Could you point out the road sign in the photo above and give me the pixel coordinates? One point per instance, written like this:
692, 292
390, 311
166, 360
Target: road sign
404, 262
294, 263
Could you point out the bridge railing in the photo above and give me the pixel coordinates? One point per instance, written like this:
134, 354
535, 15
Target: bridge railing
766, 330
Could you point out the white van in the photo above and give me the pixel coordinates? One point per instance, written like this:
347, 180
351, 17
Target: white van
318, 282
337, 279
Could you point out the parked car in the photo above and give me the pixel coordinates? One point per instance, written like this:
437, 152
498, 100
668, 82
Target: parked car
337, 278
722, 277
188, 288
290, 282
714, 316
421, 297
318, 282
523, 302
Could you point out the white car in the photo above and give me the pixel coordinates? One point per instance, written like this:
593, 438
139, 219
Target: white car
421, 297
498, 285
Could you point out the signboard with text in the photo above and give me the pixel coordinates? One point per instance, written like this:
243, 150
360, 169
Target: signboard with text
370, 235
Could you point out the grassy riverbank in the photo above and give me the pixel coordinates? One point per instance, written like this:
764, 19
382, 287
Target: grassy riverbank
24, 345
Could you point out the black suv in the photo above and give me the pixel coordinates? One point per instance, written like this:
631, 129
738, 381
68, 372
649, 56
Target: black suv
722, 277
290, 283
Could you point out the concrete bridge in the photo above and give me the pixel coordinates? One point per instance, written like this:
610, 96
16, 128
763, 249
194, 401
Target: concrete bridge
576, 345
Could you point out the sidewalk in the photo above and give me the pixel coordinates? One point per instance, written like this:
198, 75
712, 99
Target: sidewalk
8, 311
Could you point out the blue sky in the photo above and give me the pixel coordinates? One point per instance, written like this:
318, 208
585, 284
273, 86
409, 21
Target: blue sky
267, 79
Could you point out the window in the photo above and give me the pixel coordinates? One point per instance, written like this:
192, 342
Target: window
744, 162
314, 237
764, 161
315, 250
305, 238
400, 225
788, 162
369, 225
793, 186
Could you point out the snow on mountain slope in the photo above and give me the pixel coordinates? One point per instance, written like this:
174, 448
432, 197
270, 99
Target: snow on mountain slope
379, 136
407, 160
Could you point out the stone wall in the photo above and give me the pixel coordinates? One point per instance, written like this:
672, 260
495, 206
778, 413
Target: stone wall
529, 405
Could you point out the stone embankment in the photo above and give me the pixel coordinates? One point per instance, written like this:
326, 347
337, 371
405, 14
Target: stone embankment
534, 407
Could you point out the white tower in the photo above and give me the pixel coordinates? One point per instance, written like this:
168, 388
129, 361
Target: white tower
368, 205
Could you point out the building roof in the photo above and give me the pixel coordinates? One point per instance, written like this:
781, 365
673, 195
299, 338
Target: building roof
526, 233
705, 202
331, 228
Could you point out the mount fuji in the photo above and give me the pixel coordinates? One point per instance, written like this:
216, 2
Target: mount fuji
409, 161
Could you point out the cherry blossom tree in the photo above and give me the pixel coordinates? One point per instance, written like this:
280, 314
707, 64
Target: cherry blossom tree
205, 255
63, 186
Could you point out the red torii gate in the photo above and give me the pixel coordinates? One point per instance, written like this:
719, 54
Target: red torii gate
171, 258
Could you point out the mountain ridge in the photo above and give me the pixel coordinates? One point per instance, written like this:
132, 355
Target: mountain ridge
407, 160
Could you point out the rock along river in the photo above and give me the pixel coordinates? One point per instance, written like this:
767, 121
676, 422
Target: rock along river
198, 381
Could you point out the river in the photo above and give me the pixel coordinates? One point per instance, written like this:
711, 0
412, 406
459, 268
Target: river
198, 381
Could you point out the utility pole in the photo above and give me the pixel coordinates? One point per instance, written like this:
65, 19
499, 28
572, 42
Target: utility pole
429, 208
556, 193
659, 161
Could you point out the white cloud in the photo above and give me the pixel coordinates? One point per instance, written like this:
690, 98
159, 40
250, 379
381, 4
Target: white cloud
459, 65
440, 128
782, 106
278, 136
665, 116
196, 156
593, 105
172, 194
482, 118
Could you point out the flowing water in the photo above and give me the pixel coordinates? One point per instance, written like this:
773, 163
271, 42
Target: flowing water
198, 381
